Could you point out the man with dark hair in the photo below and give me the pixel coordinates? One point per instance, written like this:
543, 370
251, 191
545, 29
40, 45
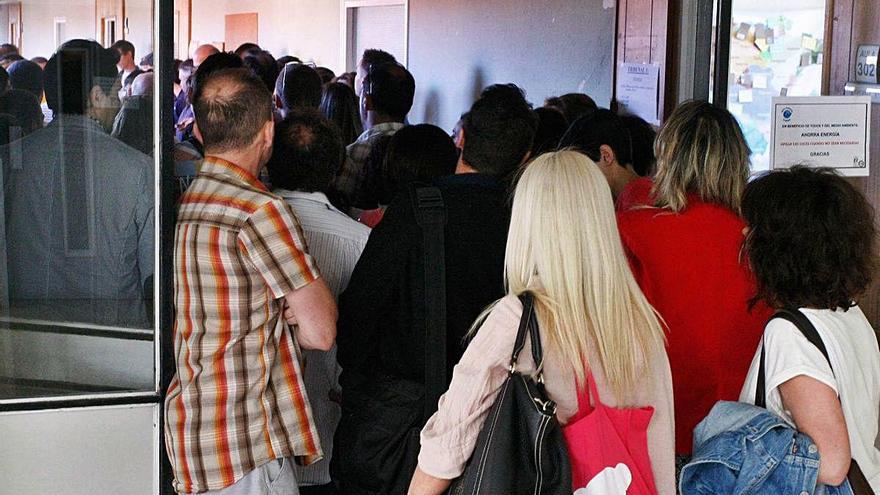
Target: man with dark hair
298, 86
80, 201
7, 48
326, 74
572, 105
643, 136
605, 140
27, 76
370, 57
383, 310
307, 154
498, 131
246, 48
128, 68
9, 59
263, 65
239, 261
387, 98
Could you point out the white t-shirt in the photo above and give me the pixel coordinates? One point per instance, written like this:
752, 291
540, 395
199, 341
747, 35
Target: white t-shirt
855, 357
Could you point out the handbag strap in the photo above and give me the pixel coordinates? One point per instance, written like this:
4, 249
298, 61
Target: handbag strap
807, 329
528, 323
430, 212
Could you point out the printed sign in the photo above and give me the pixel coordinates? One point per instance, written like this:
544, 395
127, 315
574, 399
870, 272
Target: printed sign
638, 90
866, 64
823, 131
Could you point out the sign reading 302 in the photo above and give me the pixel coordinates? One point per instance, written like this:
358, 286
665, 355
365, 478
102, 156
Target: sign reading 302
866, 64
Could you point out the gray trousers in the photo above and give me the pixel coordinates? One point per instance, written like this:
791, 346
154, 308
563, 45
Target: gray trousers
273, 478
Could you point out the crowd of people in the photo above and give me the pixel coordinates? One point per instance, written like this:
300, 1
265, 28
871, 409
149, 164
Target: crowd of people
335, 264
307, 274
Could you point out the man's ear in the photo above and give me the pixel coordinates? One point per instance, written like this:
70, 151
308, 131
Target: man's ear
278, 104
607, 154
268, 133
368, 103
459, 140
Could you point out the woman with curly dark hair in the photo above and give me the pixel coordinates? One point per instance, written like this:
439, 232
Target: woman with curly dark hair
811, 242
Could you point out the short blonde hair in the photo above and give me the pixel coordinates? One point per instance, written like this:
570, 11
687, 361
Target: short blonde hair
564, 247
701, 150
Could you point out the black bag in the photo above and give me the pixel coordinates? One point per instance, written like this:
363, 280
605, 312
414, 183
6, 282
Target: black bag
856, 477
377, 442
520, 449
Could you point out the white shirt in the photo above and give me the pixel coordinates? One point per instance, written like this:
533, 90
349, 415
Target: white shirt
335, 242
855, 358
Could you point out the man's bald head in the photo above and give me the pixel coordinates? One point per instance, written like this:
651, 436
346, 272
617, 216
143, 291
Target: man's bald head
231, 109
142, 85
203, 52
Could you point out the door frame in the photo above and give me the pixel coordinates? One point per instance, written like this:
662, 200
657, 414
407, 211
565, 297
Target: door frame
346, 20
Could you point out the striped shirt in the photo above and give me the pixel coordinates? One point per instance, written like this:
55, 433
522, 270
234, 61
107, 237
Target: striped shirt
237, 400
336, 242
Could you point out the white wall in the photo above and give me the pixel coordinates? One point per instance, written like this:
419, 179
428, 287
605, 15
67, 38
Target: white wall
140, 25
38, 16
308, 29
549, 48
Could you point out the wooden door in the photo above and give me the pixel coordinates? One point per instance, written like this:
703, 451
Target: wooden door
15, 25
857, 22
242, 28
110, 18
182, 28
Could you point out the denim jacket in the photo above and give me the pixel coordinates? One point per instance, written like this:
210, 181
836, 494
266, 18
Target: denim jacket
741, 449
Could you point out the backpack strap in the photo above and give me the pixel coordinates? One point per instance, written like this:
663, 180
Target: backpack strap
807, 329
430, 211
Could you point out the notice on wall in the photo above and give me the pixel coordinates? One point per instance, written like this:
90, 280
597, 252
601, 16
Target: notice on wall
637, 92
823, 131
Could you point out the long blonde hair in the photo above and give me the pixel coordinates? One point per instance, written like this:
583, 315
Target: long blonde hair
564, 247
701, 150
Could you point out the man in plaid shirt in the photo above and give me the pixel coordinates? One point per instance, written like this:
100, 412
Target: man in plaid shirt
386, 98
237, 413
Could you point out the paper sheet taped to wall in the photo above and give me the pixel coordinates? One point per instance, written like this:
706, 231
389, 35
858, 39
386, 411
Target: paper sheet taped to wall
638, 87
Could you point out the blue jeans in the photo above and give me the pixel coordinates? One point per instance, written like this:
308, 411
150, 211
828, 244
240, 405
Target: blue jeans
272, 478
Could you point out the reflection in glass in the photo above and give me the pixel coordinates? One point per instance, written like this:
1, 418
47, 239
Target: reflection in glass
775, 50
78, 225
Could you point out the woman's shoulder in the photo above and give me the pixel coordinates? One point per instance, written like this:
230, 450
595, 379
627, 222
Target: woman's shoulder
504, 316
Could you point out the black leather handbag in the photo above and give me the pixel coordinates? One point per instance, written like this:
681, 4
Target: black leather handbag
520, 449
857, 480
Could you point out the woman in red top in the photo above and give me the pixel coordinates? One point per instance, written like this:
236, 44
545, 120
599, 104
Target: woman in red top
684, 246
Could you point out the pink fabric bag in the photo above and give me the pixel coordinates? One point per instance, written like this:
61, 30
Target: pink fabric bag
608, 448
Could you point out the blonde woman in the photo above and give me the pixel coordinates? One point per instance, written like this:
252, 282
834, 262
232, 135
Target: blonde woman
565, 249
684, 245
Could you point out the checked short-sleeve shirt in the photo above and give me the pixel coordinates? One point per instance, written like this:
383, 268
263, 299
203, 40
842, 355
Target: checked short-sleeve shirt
237, 399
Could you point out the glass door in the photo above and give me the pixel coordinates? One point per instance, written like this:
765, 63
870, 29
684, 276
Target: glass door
82, 294
766, 48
